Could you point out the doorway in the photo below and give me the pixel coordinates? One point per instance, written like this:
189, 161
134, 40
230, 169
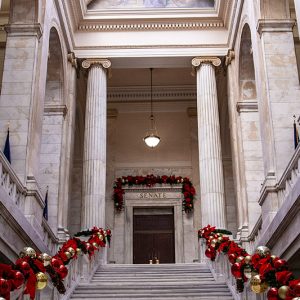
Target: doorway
153, 235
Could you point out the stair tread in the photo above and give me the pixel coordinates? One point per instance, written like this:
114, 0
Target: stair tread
164, 281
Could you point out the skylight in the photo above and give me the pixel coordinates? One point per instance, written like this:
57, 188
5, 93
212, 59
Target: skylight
149, 4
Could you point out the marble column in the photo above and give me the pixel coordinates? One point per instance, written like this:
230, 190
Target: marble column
94, 156
210, 156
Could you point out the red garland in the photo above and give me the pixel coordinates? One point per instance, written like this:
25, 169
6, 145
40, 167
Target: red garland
26, 268
188, 190
271, 269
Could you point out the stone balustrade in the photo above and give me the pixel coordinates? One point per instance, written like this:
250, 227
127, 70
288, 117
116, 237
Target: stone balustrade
289, 177
14, 197
10, 182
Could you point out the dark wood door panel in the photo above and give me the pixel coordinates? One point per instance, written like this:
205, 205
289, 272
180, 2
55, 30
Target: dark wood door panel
153, 236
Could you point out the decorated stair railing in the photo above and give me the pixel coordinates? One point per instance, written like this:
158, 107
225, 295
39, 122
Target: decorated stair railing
41, 276
258, 276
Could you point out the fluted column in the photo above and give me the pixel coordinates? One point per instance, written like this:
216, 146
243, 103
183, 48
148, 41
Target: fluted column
210, 157
94, 153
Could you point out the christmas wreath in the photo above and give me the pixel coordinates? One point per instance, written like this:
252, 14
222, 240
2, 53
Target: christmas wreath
188, 190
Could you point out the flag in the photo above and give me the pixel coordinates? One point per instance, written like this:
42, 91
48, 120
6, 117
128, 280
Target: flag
6, 150
296, 135
45, 211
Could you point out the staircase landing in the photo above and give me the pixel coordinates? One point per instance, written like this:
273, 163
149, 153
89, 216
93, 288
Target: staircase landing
164, 281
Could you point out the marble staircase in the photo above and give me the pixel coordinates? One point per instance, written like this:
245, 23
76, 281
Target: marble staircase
164, 281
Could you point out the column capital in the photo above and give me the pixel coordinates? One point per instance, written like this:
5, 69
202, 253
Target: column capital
24, 30
105, 63
197, 61
72, 59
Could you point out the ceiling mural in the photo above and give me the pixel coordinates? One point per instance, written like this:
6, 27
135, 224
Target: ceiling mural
150, 4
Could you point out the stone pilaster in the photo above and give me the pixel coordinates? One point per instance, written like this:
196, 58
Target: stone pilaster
210, 157
68, 149
94, 156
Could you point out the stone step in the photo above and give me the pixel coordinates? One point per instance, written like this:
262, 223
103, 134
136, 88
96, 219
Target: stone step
164, 281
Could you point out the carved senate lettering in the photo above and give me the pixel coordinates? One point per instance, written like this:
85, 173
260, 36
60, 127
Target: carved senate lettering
149, 195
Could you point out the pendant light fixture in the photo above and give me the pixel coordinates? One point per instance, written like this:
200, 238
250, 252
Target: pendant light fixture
152, 139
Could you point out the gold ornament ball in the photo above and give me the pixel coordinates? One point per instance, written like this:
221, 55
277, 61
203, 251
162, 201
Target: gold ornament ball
262, 251
257, 286
71, 250
248, 272
273, 256
247, 259
68, 254
78, 251
282, 291
41, 280
101, 237
239, 259
219, 234
28, 251
95, 245
46, 259
220, 239
214, 242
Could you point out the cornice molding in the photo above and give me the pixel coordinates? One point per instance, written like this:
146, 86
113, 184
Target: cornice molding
138, 26
197, 61
161, 93
24, 29
275, 25
105, 63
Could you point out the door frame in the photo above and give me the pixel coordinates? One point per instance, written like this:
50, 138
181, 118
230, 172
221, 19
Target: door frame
172, 197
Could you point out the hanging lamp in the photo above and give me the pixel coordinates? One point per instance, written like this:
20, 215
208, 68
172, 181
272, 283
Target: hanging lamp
152, 139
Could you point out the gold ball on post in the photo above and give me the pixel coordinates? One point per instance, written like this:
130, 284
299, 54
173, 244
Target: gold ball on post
71, 250
95, 245
28, 251
41, 280
262, 251
257, 286
247, 259
68, 254
45, 258
282, 291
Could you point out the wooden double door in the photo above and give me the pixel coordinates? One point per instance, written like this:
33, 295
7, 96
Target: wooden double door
153, 235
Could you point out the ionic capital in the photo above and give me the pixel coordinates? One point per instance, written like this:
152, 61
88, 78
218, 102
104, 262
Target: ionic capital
198, 61
105, 63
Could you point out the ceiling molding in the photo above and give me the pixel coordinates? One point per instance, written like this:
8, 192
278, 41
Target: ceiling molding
150, 26
160, 93
149, 19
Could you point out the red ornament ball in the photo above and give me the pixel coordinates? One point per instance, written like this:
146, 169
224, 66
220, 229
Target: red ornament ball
4, 286
18, 279
62, 271
232, 258
236, 270
280, 263
272, 294
24, 267
55, 263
